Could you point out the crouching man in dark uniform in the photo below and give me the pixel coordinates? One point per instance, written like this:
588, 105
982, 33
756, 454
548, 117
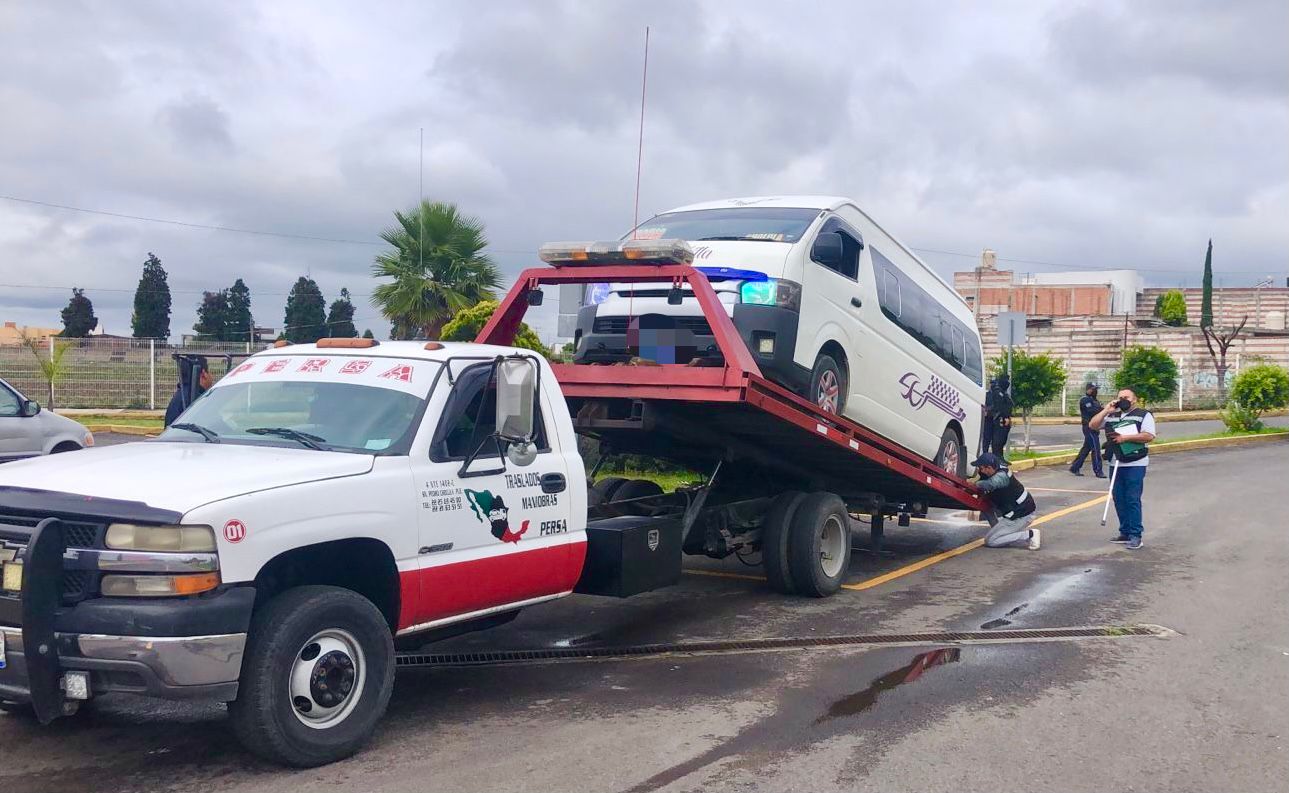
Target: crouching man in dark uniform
1013, 507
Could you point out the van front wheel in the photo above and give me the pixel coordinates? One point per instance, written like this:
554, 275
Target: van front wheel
828, 385
952, 457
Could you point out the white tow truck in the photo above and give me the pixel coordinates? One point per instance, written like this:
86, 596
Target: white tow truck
324, 504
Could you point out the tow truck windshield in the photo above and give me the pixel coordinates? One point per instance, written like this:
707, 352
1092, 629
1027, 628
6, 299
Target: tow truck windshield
317, 415
748, 224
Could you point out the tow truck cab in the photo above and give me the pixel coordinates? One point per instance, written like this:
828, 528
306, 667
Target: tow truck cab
266, 550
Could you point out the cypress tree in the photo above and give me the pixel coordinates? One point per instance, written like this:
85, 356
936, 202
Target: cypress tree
306, 313
151, 316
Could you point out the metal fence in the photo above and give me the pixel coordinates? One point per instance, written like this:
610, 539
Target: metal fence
107, 373
140, 373
1197, 387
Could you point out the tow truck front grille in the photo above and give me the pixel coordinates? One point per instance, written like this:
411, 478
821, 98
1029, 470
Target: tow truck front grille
618, 325
77, 584
76, 534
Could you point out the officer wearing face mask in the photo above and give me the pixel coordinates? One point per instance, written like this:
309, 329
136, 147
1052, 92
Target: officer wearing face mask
1129, 430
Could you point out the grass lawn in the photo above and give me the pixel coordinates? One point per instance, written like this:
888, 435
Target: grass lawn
668, 482
1021, 455
124, 421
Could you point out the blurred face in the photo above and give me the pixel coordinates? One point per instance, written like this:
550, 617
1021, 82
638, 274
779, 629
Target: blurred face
987, 471
205, 380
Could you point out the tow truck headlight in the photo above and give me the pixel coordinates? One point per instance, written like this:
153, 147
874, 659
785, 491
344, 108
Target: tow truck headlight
772, 292
158, 585
177, 539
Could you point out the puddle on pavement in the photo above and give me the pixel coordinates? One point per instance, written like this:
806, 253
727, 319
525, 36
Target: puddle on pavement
1003, 622
909, 673
1049, 588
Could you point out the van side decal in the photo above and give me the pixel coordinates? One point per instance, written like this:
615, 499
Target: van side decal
938, 393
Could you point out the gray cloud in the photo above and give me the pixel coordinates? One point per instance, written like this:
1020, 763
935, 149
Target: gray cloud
1116, 134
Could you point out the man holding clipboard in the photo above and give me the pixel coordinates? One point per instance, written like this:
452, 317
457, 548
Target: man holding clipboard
1129, 430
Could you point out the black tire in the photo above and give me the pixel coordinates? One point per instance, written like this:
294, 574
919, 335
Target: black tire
19, 710
951, 450
637, 488
825, 377
818, 516
775, 532
264, 716
606, 487
65, 446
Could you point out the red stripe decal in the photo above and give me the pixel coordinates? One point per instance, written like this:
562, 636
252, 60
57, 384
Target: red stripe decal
448, 590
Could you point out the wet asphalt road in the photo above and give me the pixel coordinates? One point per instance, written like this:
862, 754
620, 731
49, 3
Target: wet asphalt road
1206, 709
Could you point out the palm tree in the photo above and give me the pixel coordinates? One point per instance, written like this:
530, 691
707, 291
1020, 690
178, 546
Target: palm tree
438, 267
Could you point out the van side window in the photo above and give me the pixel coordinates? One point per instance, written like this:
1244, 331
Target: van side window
851, 246
892, 304
920, 315
470, 416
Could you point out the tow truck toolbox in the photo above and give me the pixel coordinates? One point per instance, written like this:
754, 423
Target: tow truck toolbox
630, 554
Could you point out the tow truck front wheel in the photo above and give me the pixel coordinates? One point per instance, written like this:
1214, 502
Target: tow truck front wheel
317, 676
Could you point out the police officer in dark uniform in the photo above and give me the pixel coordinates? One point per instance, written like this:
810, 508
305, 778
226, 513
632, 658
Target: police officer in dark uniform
1089, 407
1012, 508
1001, 414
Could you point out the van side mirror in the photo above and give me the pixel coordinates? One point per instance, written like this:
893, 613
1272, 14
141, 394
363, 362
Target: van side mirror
828, 249
30, 408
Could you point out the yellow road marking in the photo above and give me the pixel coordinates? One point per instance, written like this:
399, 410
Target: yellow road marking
961, 549
721, 574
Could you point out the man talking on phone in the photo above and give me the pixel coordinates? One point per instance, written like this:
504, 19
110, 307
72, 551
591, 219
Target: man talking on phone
1129, 430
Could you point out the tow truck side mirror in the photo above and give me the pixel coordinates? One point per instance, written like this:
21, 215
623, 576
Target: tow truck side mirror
516, 396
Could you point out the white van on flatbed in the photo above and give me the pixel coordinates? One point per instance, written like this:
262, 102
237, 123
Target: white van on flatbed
830, 304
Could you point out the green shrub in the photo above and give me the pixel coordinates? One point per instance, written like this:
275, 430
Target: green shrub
1150, 372
1261, 388
467, 323
1171, 308
1238, 418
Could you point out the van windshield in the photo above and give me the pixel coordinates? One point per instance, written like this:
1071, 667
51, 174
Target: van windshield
751, 224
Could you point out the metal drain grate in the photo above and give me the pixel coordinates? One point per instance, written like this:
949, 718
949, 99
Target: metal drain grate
502, 657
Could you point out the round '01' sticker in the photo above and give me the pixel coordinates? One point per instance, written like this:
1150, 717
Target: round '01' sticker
234, 531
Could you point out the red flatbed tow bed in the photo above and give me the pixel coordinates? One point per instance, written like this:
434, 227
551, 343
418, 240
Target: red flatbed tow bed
702, 415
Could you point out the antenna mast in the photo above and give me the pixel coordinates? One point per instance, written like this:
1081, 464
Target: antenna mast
644, 82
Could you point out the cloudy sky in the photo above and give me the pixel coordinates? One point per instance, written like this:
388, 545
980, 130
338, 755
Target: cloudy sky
1084, 134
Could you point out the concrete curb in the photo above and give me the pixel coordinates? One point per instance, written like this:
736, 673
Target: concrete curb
123, 429
1161, 448
1189, 415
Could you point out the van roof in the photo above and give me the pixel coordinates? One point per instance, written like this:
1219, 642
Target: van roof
820, 202
799, 201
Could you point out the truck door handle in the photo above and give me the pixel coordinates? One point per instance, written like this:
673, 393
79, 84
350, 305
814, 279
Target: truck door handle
856, 302
553, 483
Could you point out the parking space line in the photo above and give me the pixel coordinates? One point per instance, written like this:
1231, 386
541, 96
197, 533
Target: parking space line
961, 549
722, 574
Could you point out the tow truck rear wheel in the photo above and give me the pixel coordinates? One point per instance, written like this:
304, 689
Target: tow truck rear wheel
603, 490
775, 533
819, 545
317, 676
